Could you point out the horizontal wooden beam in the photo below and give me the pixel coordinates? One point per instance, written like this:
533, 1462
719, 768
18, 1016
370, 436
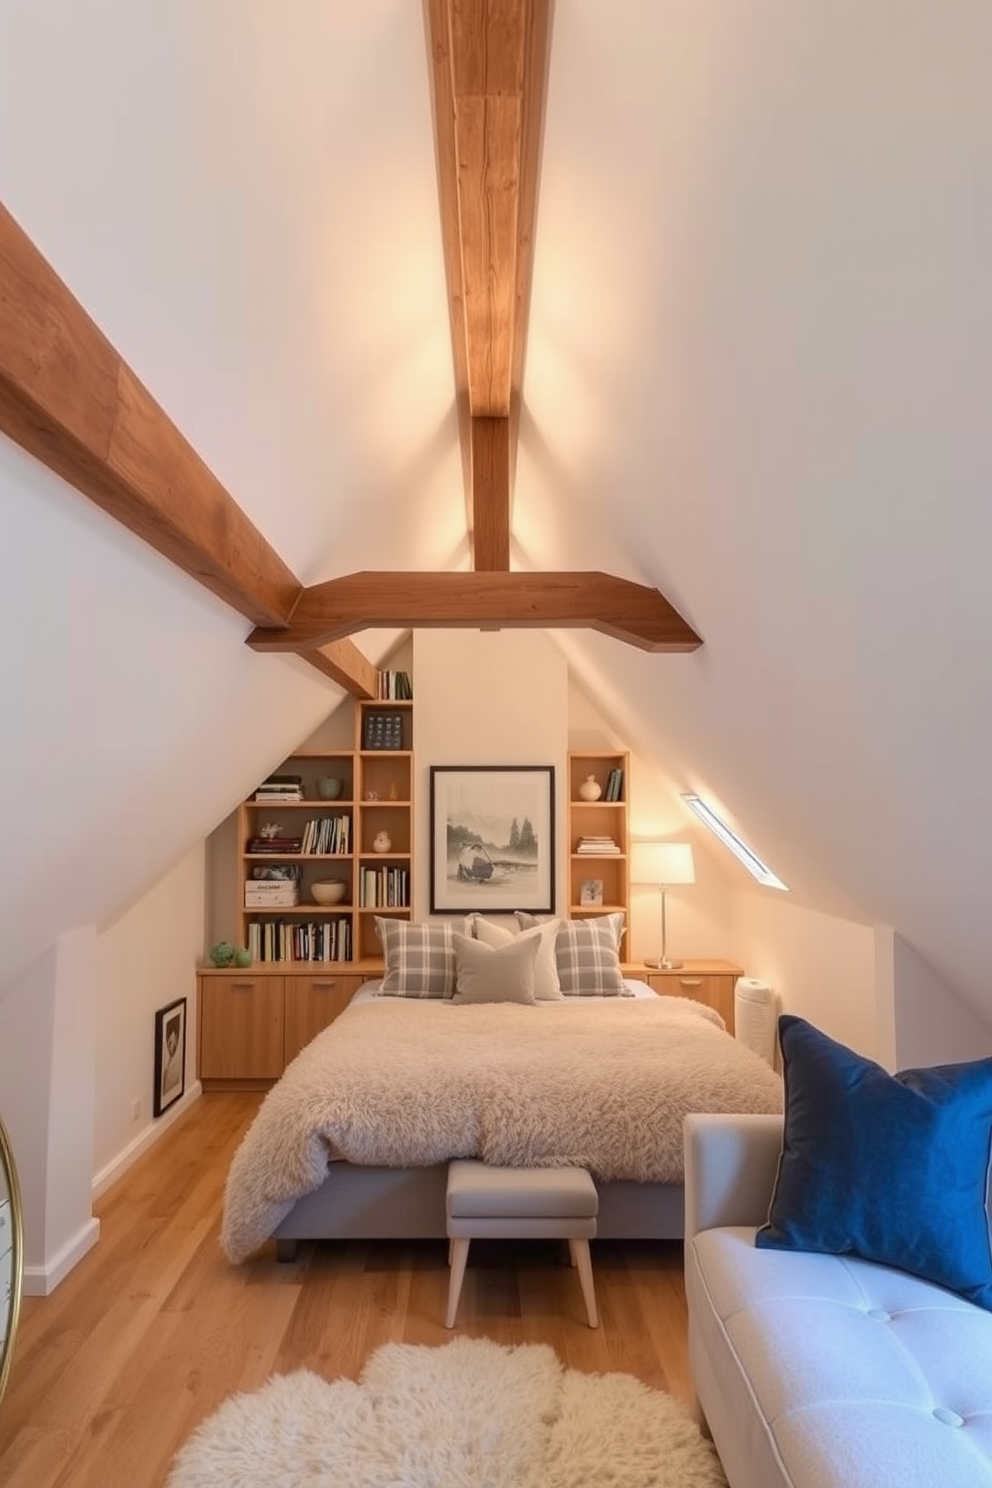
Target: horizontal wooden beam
345, 664
630, 612
70, 400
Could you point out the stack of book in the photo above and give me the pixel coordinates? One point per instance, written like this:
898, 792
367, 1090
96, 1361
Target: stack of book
597, 847
327, 835
383, 731
394, 685
281, 846
614, 785
271, 893
280, 788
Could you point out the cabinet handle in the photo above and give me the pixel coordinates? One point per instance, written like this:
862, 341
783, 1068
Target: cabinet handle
690, 981
243, 986
325, 986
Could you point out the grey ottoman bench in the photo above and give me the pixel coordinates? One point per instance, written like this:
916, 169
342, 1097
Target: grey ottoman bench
490, 1203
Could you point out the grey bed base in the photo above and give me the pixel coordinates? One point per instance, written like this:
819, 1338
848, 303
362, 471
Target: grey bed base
358, 1203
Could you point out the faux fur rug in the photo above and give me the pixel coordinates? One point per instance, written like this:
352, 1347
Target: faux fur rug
472, 1414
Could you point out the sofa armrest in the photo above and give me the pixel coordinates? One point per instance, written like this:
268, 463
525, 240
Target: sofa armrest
731, 1163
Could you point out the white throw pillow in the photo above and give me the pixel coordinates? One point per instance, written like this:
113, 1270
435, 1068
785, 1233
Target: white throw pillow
491, 933
483, 974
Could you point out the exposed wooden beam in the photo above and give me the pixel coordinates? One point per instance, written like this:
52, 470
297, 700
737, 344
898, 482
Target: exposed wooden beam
594, 601
68, 398
489, 72
491, 494
344, 663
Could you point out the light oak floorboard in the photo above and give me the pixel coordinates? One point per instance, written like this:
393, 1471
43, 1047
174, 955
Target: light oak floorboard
153, 1329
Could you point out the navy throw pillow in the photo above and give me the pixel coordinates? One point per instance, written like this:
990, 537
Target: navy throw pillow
892, 1168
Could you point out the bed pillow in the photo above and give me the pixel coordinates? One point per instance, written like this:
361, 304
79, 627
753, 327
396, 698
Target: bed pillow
487, 974
892, 1168
614, 922
587, 955
491, 933
420, 959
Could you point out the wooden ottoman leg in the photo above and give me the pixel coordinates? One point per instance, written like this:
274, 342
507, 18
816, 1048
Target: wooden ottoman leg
583, 1260
459, 1256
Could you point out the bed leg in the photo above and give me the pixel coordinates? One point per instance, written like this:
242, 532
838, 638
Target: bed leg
286, 1250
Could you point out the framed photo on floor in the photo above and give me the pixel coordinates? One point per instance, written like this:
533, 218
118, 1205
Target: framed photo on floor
492, 838
170, 1055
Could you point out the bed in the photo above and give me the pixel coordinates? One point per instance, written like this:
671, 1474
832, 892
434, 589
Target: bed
354, 1140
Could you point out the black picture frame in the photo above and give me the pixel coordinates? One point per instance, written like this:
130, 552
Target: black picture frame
170, 1065
510, 811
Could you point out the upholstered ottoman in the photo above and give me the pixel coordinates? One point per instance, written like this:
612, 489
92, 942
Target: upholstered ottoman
486, 1202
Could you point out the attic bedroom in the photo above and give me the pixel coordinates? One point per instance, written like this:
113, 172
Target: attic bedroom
739, 315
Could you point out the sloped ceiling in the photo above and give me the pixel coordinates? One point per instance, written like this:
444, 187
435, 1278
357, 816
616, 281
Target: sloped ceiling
757, 378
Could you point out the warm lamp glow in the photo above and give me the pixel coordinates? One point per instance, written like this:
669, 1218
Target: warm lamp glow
661, 864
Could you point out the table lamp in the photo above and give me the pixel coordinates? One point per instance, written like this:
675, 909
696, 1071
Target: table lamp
662, 864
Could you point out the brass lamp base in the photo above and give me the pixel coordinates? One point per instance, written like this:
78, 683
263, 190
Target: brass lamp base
664, 963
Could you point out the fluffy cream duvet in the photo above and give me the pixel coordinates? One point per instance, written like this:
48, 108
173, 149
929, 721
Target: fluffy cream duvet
601, 1084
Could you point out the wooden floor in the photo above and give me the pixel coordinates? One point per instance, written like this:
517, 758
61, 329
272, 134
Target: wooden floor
154, 1328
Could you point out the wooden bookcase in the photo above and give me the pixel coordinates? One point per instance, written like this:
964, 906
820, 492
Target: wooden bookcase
376, 797
600, 818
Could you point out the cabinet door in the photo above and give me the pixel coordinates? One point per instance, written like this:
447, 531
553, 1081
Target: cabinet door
312, 1002
714, 990
241, 1027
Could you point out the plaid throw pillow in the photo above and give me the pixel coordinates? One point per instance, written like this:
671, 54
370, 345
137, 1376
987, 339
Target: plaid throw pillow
587, 955
420, 959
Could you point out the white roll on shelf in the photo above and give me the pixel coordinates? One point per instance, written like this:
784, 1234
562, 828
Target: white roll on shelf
756, 1016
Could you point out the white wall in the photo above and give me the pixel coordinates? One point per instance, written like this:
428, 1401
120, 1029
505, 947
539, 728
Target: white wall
145, 960
486, 697
920, 1020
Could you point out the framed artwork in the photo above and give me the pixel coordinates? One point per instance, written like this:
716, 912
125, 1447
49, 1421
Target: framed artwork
492, 838
170, 1055
591, 891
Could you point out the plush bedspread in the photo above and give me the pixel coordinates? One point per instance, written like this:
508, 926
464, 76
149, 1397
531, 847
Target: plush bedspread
393, 1082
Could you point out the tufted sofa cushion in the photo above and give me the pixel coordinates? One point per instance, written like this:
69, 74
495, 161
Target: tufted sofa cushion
838, 1370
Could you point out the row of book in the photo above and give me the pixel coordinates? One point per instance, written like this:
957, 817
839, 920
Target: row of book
277, 940
280, 788
395, 685
382, 730
327, 834
614, 785
597, 847
383, 888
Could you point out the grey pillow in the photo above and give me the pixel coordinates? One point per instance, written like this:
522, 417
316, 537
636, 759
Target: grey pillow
494, 974
546, 988
587, 955
420, 959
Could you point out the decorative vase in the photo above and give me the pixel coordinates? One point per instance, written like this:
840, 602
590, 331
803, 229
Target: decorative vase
590, 789
381, 842
329, 787
242, 956
222, 954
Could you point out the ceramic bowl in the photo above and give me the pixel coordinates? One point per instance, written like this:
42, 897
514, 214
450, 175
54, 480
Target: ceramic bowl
329, 787
328, 890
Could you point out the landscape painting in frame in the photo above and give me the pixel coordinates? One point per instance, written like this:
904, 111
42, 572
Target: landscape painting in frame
492, 838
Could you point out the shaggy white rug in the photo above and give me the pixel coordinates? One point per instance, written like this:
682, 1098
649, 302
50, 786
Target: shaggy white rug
471, 1414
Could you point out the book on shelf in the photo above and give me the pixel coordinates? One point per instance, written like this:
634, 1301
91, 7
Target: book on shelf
614, 785
280, 846
596, 846
395, 685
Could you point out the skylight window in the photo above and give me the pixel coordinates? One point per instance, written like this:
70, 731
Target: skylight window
730, 839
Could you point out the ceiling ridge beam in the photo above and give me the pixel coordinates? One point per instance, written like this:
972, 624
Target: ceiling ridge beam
633, 613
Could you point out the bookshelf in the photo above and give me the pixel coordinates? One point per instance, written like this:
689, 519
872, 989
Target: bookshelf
604, 821
313, 837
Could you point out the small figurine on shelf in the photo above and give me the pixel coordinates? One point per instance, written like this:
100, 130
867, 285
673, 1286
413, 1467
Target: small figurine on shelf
270, 830
381, 842
394, 794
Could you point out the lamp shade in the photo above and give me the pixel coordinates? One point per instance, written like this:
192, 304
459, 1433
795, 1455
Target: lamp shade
661, 863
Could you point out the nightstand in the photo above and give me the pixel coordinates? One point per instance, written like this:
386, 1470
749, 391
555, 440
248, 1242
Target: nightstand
710, 982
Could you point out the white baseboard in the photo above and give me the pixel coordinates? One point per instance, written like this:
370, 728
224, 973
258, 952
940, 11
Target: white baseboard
39, 1281
146, 1139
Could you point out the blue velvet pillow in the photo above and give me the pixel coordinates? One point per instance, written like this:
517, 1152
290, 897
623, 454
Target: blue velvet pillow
892, 1168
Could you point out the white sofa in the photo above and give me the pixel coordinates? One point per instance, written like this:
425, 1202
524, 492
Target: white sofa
819, 1371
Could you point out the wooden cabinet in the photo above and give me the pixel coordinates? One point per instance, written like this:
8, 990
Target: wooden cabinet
311, 1003
598, 880
711, 982
242, 1020
254, 1022
337, 837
